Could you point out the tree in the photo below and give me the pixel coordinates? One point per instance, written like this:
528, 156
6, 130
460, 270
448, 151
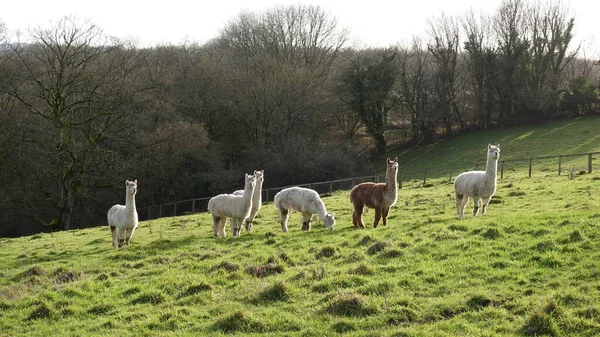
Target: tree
510, 24
550, 38
482, 68
368, 84
76, 85
444, 55
416, 92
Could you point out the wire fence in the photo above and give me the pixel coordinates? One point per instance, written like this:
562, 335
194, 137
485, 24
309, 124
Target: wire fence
570, 164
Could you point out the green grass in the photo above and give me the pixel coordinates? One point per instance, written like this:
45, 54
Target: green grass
465, 151
529, 267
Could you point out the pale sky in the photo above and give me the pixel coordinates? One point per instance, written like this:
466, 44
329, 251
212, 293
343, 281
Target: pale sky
375, 23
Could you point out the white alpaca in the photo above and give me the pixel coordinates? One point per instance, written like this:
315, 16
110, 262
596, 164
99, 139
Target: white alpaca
123, 220
305, 201
236, 207
477, 184
256, 198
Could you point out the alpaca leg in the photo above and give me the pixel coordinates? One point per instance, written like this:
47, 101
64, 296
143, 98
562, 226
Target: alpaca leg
248, 225
377, 216
484, 203
235, 227
221, 226
113, 233
216, 222
475, 205
385, 213
357, 216
128, 236
459, 205
306, 218
238, 227
462, 205
120, 236
284, 216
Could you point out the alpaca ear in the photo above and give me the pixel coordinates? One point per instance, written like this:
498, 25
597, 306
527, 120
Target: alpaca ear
126, 182
333, 215
498, 145
388, 160
396, 159
135, 181
255, 172
263, 171
489, 146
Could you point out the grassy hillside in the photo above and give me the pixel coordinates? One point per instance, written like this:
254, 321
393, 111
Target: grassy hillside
531, 266
569, 136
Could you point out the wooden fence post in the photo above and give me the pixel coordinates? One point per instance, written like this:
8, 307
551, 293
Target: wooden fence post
193, 205
400, 178
424, 177
451, 171
559, 164
530, 163
502, 169
330, 187
267, 190
589, 163
175, 208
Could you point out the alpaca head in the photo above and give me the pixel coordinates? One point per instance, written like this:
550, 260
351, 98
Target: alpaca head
392, 166
259, 176
493, 151
329, 221
131, 187
250, 181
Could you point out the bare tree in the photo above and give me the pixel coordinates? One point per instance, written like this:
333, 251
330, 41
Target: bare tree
76, 83
444, 47
416, 92
550, 29
279, 61
510, 28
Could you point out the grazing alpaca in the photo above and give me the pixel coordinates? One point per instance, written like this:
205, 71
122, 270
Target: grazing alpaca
256, 198
123, 220
305, 201
380, 196
236, 207
477, 184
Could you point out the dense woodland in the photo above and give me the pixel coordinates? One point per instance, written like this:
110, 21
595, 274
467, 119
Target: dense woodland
282, 90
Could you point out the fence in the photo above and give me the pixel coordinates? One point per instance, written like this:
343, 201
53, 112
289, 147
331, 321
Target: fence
559, 163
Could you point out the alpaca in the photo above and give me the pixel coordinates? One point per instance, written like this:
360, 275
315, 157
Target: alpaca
477, 184
256, 198
305, 201
381, 196
123, 220
236, 207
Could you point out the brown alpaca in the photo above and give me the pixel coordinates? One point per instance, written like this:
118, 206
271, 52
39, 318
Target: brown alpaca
380, 196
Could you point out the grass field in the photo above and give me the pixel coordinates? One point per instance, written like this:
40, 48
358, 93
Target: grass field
561, 137
529, 267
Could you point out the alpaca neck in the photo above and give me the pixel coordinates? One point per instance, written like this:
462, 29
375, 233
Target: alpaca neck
321, 210
491, 168
391, 183
130, 203
247, 197
257, 196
